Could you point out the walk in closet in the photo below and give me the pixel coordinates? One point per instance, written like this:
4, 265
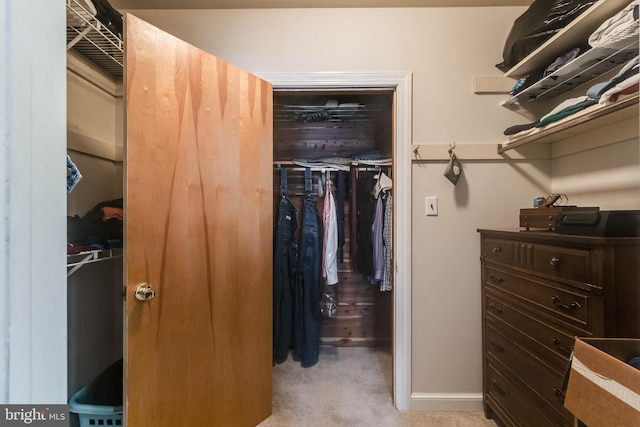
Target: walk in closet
333, 134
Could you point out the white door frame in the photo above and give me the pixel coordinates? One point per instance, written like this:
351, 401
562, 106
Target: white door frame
33, 283
401, 82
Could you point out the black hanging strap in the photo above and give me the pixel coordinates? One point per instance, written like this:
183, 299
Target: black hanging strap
283, 182
308, 184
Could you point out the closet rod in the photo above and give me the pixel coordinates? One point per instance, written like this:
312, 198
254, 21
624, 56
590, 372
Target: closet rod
330, 169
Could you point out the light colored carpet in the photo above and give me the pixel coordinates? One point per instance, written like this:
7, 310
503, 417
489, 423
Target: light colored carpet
349, 387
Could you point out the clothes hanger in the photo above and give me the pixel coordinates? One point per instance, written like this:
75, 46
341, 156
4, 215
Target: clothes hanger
383, 183
308, 184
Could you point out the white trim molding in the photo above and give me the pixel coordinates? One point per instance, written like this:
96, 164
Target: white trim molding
33, 285
447, 402
401, 82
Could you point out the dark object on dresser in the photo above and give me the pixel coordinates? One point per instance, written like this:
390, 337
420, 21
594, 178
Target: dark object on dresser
539, 291
546, 218
624, 223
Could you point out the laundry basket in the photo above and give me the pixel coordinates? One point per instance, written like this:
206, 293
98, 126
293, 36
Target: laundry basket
93, 415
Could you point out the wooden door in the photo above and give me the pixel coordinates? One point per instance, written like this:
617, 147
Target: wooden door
199, 231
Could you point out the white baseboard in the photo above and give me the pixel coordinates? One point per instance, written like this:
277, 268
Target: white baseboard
446, 402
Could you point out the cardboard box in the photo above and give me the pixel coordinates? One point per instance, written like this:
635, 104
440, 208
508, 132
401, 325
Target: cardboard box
603, 389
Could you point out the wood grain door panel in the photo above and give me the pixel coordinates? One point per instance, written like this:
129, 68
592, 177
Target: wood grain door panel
199, 231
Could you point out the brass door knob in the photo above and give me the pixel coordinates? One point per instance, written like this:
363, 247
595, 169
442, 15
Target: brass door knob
144, 292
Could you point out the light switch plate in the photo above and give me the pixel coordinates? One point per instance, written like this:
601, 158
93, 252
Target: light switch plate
432, 206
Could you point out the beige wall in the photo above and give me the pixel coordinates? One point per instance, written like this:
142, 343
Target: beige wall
94, 136
444, 48
607, 177
446, 312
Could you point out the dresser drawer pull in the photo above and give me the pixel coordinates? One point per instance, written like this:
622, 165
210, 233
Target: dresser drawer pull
495, 385
497, 346
554, 261
495, 309
574, 306
496, 278
497, 249
558, 344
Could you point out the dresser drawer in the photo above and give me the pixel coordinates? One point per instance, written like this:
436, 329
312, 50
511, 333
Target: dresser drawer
508, 401
542, 380
550, 340
498, 250
562, 262
552, 299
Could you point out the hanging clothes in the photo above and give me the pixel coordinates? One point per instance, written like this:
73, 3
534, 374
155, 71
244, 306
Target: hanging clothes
307, 331
377, 242
340, 214
387, 235
383, 183
353, 215
330, 241
365, 211
285, 275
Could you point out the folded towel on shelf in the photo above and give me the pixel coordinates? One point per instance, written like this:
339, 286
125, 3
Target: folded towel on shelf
626, 87
562, 110
630, 69
617, 23
565, 109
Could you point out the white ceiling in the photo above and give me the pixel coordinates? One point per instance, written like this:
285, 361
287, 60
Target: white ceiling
272, 4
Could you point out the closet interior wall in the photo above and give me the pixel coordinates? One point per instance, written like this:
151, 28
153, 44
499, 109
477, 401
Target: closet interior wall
313, 125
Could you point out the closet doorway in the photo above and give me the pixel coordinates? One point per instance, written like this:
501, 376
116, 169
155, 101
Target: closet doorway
371, 114
344, 140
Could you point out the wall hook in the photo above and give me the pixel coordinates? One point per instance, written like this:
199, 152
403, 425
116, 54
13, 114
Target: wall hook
454, 168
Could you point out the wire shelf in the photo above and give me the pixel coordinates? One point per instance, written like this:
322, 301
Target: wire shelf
93, 41
76, 261
599, 60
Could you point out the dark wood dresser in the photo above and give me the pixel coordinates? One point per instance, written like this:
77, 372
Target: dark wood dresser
539, 291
